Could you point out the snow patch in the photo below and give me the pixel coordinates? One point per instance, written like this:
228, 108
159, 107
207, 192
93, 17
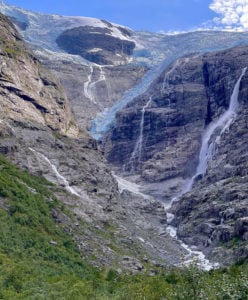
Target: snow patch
132, 187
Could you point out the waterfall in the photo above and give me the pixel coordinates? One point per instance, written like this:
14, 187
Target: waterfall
224, 122
102, 123
167, 75
206, 154
89, 85
137, 152
102, 75
61, 179
87, 89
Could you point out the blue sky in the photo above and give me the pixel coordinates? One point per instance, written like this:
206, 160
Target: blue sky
152, 15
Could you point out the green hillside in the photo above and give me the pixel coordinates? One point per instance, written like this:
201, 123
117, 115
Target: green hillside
38, 260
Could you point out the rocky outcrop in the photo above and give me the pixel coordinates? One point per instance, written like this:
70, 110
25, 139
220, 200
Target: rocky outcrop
96, 44
28, 91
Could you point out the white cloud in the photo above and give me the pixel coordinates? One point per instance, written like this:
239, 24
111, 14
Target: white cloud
233, 13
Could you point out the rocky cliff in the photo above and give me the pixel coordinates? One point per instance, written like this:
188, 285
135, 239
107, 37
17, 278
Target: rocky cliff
177, 107
159, 135
217, 220
30, 93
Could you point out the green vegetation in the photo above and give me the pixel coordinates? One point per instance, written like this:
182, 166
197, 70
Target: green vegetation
38, 260
11, 49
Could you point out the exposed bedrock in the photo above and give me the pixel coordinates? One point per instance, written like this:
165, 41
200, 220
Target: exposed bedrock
188, 95
96, 45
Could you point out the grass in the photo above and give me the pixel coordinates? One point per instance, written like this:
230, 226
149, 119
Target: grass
38, 260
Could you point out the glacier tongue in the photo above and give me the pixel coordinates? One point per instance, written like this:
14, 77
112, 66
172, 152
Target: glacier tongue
104, 120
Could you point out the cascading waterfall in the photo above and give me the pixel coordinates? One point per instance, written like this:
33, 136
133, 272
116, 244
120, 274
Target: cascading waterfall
180, 62
206, 154
61, 179
137, 152
102, 75
223, 123
89, 85
167, 75
101, 78
87, 90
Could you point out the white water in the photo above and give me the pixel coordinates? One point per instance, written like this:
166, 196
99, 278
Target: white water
61, 179
223, 123
92, 85
89, 85
167, 75
102, 75
180, 62
193, 256
198, 258
137, 152
87, 89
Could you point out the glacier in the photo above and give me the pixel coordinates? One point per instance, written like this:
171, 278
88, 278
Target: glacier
164, 51
156, 51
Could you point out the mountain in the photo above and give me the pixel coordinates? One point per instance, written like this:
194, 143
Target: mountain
148, 99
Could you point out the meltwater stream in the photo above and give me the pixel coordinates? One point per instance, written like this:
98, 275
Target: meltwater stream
60, 178
89, 85
206, 153
137, 152
87, 90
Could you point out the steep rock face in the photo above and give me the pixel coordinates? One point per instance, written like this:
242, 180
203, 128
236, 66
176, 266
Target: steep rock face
96, 44
192, 92
29, 93
182, 101
35, 114
215, 212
